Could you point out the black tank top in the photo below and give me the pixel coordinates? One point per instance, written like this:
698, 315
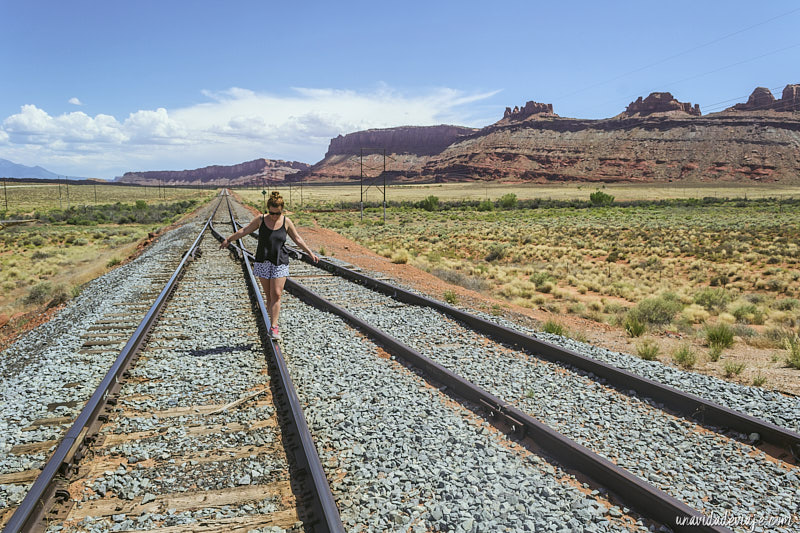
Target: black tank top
272, 244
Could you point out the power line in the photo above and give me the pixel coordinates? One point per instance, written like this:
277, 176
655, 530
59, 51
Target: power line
679, 54
666, 85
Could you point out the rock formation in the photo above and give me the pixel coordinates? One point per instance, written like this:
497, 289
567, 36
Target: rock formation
531, 108
790, 99
660, 103
762, 100
250, 172
417, 140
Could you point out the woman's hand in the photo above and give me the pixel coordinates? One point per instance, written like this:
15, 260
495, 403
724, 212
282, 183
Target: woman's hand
314, 257
224, 244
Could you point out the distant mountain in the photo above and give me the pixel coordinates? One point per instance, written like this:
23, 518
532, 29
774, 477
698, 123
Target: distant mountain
248, 173
9, 169
657, 139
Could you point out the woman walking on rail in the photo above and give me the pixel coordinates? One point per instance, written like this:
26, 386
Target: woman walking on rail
272, 258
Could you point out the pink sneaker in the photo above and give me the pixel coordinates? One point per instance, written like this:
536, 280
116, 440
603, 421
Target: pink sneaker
274, 333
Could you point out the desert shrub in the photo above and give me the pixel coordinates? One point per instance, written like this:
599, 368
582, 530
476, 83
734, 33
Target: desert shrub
38, 254
713, 299
786, 304
599, 198
719, 334
657, 311
634, 326
508, 201
538, 278
546, 287
792, 345
141, 204
496, 251
45, 292
486, 205
748, 314
551, 326
695, 314
114, 261
457, 278
450, 297
685, 356
648, 350
715, 352
759, 380
732, 368
401, 257
431, 203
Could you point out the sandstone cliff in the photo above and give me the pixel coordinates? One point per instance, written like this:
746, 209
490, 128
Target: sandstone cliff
656, 139
641, 148
250, 172
407, 148
416, 140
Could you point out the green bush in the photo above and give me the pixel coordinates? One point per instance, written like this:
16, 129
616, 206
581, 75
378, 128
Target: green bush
486, 205
634, 326
685, 356
496, 251
551, 326
450, 297
732, 369
141, 204
786, 304
46, 292
540, 278
792, 345
657, 311
720, 334
508, 201
599, 198
712, 299
431, 203
749, 314
648, 350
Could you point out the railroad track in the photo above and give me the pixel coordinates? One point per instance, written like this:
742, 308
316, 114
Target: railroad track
669, 454
480, 428
188, 430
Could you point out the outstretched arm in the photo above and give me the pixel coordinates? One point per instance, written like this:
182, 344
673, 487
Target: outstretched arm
290, 229
248, 229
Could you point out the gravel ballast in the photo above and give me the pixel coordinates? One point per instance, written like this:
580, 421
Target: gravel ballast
707, 471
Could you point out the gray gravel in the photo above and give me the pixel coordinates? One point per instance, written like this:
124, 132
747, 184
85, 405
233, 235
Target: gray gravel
46, 366
404, 457
705, 470
203, 351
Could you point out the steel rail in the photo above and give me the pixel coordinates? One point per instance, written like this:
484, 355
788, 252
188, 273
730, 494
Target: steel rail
322, 504
36, 502
685, 404
638, 494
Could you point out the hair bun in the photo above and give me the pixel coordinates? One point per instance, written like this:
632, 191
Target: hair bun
275, 194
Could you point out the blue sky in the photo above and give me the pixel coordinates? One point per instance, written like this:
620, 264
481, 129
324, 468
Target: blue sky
98, 88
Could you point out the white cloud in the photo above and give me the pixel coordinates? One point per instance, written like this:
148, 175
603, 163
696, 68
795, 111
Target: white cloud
232, 126
74, 101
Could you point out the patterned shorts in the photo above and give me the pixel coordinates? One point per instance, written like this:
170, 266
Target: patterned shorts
269, 271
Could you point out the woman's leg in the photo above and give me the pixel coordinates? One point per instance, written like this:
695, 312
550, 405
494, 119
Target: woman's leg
274, 305
265, 283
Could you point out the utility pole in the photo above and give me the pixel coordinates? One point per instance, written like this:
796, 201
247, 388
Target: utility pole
95, 192
361, 159
5, 192
60, 205
66, 186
